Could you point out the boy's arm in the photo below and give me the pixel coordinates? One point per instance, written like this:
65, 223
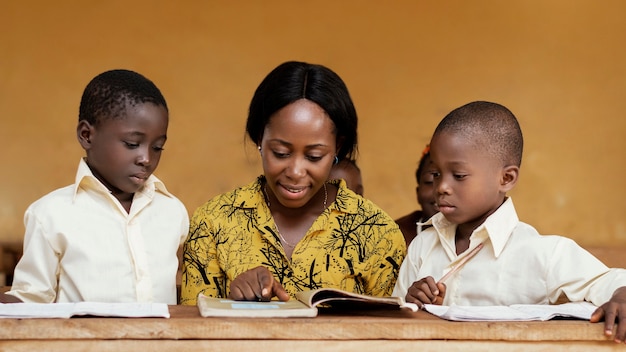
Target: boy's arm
409, 270
35, 276
184, 224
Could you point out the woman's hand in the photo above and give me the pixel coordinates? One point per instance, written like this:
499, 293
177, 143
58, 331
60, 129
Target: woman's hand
257, 284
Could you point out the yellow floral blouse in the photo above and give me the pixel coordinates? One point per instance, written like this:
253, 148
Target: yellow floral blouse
353, 245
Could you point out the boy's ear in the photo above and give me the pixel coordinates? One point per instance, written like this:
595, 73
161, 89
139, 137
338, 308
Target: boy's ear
84, 132
509, 178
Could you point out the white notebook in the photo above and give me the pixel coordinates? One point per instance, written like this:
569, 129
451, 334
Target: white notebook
68, 310
517, 312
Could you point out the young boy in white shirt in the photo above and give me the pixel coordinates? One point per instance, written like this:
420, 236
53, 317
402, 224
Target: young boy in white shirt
476, 152
112, 236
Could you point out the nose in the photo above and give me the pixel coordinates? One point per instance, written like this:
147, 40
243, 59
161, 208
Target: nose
143, 157
441, 186
295, 169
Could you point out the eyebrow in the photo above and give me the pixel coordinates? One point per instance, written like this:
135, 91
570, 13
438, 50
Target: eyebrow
457, 163
448, 165
141, 134
311, 146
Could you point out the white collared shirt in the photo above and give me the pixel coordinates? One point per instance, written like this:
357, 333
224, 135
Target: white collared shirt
81, 245
517, 265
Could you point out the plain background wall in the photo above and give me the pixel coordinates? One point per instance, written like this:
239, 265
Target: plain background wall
558, 65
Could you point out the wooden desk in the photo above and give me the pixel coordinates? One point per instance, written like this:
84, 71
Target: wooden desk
384, 331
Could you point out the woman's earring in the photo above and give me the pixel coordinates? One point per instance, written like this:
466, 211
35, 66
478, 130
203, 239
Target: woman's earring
336, 161
259, 148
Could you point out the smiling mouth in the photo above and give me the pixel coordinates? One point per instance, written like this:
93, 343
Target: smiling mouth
294, 190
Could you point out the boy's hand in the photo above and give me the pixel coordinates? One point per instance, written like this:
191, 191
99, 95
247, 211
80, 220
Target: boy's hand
257, 284
614, 309
426, 291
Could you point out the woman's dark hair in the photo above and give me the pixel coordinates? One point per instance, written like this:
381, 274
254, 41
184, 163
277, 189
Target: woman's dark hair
292, 81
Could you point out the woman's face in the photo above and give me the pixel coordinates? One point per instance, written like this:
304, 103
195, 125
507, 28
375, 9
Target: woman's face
298, 149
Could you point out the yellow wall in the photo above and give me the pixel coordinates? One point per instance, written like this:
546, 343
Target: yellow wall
558, 65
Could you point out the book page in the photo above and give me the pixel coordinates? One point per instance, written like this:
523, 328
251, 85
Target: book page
221, 307
67, 310
336, 298
519, 312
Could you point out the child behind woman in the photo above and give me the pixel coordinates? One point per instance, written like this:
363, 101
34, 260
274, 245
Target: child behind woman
412, 224
349, 171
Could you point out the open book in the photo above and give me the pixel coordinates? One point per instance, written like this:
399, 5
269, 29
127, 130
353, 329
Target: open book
338, 299
305, 304
516, 312
68, 310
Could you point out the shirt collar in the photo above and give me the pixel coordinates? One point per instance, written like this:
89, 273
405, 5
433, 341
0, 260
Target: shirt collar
85, 179
250, 196
498, 227
345, 202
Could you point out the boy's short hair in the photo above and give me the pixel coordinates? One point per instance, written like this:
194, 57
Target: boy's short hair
491, 126
109, 93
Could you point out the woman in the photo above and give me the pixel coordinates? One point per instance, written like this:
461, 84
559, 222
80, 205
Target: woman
291, 229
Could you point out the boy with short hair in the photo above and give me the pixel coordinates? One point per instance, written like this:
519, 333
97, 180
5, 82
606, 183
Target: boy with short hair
476, 152
112, 236
412, 224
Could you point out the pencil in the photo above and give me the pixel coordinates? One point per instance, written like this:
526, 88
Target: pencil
462, 262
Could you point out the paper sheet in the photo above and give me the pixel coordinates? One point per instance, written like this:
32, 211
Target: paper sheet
67, 310
518, 312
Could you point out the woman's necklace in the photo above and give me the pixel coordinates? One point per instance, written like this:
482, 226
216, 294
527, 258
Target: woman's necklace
267, 201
